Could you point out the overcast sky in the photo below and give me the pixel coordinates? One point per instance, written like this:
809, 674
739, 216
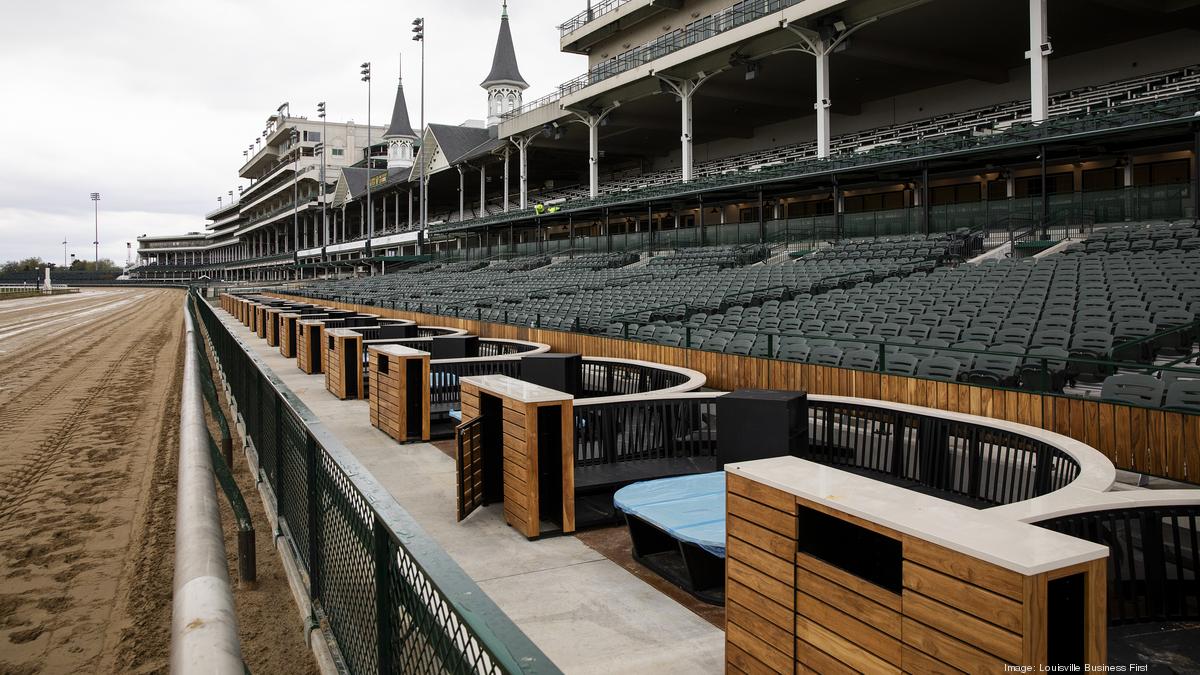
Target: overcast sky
151, 102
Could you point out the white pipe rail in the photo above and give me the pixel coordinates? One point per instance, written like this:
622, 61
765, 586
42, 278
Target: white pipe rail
204, 632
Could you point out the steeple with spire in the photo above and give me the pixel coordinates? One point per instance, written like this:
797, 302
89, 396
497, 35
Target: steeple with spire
504, 83
400, 136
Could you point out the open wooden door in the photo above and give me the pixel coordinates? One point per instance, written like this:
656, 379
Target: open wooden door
469, 467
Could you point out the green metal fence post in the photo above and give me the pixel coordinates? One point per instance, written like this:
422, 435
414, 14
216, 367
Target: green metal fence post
314, 516
383, 611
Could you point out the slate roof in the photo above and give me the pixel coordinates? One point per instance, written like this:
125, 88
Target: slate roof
400, 125
504, 62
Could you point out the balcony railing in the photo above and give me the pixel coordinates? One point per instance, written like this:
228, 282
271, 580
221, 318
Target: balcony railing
594, 11
697, 31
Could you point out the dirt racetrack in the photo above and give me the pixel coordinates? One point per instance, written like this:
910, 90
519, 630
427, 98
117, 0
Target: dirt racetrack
89, 398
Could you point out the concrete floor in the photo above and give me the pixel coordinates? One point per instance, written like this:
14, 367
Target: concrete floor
587, 613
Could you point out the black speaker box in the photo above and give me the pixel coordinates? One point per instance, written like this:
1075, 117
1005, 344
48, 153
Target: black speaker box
392, 331
454, 347
761, 423
560, 372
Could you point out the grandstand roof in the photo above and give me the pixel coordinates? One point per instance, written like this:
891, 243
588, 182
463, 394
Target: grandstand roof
504, 61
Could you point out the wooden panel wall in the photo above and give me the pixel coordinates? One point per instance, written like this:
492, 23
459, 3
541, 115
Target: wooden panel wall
521, 477
340, 374
760, 544
272, 332
305, 335
788, 611
1136, 439
286, 326
388, 398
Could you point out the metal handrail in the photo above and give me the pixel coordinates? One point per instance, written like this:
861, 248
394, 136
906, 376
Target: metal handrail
204, 627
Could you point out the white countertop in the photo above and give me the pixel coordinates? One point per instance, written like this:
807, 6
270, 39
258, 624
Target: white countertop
1020, 547
518, 390
395, 350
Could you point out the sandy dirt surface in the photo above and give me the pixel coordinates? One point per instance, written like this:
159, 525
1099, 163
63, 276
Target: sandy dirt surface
89, 397
89, 410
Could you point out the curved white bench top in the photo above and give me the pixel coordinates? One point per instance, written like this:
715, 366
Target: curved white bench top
985, 535
695, 380
397, 350
517, 390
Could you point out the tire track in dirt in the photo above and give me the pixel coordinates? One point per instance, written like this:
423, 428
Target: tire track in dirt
66, 549
42, 345
18, 483
43, 387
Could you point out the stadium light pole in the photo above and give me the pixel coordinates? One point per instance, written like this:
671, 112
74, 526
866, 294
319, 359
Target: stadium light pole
96, 243
419, 36
366, 77
64, 251
321, 145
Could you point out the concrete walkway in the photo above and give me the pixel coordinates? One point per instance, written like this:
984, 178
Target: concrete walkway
583, 610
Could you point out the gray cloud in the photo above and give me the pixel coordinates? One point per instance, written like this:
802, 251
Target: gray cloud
151, 103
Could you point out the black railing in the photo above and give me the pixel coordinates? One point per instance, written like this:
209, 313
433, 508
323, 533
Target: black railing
964, 461
503, 348
393, 601
1153, 563
444, 391
972, 463
654, 429
614, 378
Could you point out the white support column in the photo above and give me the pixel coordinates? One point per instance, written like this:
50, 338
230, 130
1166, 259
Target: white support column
482, 189
410, 207
685, 89
823, 103
522, 143
685, 137
461, 193
1039, 57
820, 45
506, 196
593, 124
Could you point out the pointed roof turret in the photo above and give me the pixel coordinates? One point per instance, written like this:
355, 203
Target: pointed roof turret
504, 62
400, 126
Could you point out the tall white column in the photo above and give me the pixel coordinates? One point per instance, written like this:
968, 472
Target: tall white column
506, 199
461, 193
482, 189
593, 124
685, 107
822, 105
1039, 56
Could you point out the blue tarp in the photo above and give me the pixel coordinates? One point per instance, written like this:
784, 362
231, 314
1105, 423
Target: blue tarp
689, 508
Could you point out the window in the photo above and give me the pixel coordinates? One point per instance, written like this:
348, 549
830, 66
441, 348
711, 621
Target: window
338, 152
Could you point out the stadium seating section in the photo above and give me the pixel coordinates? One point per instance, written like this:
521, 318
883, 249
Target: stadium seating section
1101, 318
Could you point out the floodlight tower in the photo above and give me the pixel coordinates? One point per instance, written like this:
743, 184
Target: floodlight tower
96, 243
419, 36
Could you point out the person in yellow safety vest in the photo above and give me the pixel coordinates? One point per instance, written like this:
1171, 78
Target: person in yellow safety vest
553, 209
539, 208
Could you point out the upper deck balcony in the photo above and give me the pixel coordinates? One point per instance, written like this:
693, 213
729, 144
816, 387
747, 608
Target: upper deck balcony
602, 19
735, 24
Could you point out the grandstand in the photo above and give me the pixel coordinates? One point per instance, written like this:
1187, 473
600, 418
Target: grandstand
935, 303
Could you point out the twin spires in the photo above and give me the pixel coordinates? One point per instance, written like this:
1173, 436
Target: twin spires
400, 137
504, 61
504, 83
400, 125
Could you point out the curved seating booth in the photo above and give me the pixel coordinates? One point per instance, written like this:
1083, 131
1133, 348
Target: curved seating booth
346, 350
529, 445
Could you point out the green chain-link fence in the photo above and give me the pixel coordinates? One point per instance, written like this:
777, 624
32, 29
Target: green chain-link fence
391, 597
